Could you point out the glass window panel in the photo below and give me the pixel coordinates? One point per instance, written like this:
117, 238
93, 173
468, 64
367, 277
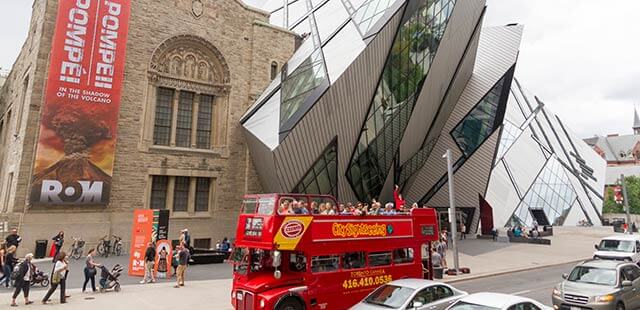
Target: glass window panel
159, 184
357, 3
302, 54
277, 18
328, 17
353, 260
303, 28
163, 119
185, 115
297, 9
297, 86
322, 178
181, 194
342, 50
379, 259
368, 14
203, 186
205, 115
325, 263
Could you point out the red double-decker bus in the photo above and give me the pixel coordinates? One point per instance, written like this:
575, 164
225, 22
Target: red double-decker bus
285, 257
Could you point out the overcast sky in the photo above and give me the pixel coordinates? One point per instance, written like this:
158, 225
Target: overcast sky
581, 57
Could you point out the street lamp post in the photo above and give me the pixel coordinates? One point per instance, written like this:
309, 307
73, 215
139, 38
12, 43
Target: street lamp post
452, 210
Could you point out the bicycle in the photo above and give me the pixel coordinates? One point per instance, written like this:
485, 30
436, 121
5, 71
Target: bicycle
77, 248
105, 247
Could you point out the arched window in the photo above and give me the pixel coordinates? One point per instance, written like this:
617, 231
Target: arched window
189, 75
274, 69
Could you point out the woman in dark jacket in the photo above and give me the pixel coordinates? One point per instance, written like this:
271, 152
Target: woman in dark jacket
10, 261
58, 241
23, 280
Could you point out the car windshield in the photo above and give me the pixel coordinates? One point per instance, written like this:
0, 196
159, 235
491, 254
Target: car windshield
627, 246
593, 275
469, 306
390, 296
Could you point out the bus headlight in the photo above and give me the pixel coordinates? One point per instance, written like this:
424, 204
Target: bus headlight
262, 303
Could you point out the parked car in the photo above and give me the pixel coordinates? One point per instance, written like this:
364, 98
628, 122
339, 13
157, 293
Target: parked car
599, 285
415, 294
495, 301
619, 247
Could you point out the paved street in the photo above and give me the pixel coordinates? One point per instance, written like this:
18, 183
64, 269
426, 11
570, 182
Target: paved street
536, 283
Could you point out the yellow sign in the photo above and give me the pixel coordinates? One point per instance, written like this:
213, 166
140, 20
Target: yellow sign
358, 230
291, 231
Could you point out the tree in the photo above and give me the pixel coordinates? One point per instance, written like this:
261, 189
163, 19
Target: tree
633, 194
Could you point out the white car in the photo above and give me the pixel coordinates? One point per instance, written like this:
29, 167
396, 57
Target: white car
619, 247
411, 294
495, 301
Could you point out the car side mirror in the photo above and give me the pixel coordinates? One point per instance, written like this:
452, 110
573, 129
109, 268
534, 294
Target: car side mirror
596, 246
416, 305
565, 276
627, 283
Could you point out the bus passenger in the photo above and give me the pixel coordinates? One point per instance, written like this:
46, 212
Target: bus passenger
343, 210
388, 209
375, 209
397, 197
314, 208
283, 208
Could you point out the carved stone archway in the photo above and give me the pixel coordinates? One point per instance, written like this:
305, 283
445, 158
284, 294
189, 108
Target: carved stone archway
190, 59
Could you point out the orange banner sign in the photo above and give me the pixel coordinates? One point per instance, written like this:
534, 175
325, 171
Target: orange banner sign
76, 145
141, 235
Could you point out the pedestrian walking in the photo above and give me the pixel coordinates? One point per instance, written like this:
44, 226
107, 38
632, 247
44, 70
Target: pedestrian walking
23, 280
10, 261
3, 252
149, 261
58, 278
13, 239
463, 231
183, 262
90, 271
441, 248
58, 241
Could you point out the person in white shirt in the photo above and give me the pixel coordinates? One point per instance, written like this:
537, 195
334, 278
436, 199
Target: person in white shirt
60, 271
23, 280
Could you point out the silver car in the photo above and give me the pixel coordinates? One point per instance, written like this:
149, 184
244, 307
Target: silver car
412, 294
599, 285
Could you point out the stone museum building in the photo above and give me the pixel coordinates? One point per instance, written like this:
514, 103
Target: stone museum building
192, 68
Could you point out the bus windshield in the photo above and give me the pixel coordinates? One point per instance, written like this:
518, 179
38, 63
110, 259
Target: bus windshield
252, 260
262, 206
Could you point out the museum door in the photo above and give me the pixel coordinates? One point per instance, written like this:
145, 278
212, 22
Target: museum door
540, 217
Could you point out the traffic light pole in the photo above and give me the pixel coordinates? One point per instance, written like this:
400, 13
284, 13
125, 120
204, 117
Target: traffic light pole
626, 204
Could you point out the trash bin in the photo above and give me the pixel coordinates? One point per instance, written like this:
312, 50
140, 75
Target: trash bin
41, 248
437, 272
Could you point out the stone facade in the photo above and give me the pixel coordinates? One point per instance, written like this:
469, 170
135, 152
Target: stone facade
167, 41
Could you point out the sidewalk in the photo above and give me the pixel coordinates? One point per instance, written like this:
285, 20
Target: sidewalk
210, 294
486, 257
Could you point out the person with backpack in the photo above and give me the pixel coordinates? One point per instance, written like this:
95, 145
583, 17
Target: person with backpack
58, 278
10, 261
23, 277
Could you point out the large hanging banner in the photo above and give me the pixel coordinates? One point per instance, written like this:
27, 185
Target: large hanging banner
76, 146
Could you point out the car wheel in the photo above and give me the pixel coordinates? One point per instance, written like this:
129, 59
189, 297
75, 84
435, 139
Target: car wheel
289, 304
620, 306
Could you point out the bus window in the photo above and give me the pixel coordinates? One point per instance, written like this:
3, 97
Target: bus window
353, 260
297, 262
403, 256
261, 260
325, 263
240, 259
265, 205
379, 259
249, 205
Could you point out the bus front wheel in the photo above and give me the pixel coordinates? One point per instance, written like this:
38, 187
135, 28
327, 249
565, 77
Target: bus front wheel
290, 304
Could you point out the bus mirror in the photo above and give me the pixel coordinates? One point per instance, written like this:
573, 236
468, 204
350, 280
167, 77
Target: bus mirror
277, 274
277, 258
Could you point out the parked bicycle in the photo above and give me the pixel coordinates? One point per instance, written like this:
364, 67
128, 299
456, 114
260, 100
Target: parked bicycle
77, 248
106, 246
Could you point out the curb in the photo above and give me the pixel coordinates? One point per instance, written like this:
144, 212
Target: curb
481, 276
